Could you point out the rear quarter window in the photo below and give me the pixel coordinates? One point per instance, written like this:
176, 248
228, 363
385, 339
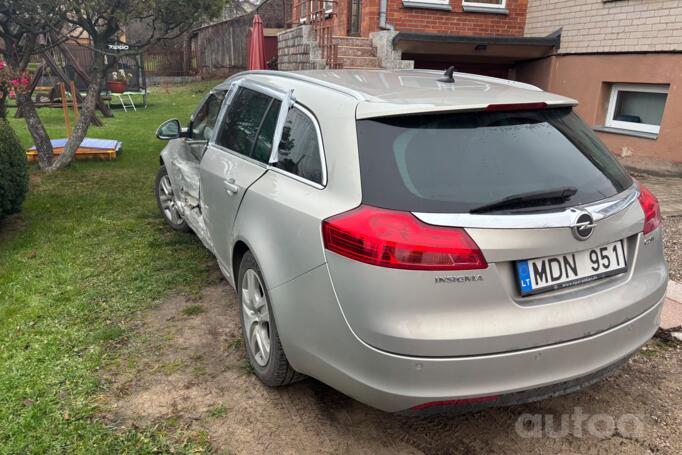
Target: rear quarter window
299, 149
459, 161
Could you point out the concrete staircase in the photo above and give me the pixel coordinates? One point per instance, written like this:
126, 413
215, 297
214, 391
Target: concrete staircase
356, 53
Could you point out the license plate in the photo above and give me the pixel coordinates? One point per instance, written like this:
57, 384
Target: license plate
557, 272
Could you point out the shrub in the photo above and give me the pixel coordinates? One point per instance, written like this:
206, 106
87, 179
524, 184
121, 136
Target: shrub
13, 171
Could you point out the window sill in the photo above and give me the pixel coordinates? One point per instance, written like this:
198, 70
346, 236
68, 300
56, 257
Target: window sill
642, 134
327, 15
426, 5
485, 9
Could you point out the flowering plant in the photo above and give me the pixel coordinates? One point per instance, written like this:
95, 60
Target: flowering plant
4, 77
121, 76
13, 81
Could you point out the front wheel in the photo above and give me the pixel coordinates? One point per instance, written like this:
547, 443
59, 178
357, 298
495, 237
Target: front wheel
167, 203
261, 340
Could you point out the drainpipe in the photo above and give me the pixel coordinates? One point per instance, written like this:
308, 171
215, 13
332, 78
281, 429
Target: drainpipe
383, 6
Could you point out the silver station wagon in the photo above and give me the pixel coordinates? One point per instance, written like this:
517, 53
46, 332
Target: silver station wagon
420, 243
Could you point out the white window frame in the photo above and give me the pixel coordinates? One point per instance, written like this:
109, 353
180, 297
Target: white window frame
428, 4
641, 127
303, 18
327, 11
492, 6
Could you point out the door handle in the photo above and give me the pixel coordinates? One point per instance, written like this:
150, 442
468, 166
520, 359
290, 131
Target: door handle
231, 187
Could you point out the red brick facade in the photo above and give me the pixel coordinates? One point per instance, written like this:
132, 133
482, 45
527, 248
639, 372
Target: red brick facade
455, 22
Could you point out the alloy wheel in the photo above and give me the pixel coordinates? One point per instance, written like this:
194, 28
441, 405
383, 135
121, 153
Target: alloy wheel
168, 204
256, 317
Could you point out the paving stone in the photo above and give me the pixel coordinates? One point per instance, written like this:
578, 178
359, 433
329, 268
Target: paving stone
671, 316
674, 291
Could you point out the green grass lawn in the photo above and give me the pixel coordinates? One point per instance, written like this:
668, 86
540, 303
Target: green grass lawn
87, 252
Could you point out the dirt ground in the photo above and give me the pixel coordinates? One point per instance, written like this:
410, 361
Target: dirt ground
184, 367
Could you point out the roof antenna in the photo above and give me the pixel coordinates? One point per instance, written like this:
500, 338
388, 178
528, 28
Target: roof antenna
447, 76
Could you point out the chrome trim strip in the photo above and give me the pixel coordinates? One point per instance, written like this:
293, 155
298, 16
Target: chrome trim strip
262, 88
565, 218
320, 145
286, 104
315, 185
606, 209
231, 90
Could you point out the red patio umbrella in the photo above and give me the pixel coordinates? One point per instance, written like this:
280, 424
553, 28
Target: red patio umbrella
256, 52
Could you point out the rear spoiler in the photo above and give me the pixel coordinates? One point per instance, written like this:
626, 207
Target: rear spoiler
372, 109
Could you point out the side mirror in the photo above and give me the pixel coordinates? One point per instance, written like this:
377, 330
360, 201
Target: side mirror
168, 130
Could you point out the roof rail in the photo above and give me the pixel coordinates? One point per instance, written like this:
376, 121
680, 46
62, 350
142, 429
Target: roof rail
303, 78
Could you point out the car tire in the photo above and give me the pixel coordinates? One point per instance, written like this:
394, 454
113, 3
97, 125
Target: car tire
259, 331
166, 201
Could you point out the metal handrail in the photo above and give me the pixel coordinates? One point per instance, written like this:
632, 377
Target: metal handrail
321, 17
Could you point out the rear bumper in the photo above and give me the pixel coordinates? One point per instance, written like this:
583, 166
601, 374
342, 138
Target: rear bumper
319, 342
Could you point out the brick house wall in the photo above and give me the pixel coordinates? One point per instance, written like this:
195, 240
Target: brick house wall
608, 26
455, 22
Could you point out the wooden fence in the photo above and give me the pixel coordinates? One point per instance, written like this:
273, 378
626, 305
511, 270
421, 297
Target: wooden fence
223, 47
170, 62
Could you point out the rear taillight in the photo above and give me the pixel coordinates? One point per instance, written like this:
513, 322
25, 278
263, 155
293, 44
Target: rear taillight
515, 107
399, 240
652, 211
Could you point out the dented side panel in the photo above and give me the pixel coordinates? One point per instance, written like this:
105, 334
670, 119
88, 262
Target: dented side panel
182, 164
225, 178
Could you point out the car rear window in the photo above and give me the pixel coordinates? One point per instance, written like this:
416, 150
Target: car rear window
456, 162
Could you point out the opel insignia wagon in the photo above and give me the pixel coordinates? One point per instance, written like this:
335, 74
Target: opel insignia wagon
417, 243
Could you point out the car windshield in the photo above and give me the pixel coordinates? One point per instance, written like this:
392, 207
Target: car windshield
456, 162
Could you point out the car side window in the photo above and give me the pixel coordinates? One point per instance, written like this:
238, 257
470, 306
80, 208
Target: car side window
263, 148
242, 120
299, 149
205, 118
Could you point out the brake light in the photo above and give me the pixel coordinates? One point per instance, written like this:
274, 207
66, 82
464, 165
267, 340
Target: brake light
394, 239
652, 211
515, 107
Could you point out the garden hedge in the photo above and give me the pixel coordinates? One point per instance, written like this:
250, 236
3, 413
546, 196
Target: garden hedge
13, 171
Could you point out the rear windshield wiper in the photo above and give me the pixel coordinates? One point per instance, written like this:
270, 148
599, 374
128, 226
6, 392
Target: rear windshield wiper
531, 199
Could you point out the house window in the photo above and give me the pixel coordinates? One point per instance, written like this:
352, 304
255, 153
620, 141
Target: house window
637, 107
313, 6
428, 4
485, 6
303, 10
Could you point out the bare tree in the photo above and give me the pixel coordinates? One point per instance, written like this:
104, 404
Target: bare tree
103, 21
22, 26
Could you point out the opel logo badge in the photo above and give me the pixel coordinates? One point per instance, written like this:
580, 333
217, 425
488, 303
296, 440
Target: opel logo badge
583, 226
